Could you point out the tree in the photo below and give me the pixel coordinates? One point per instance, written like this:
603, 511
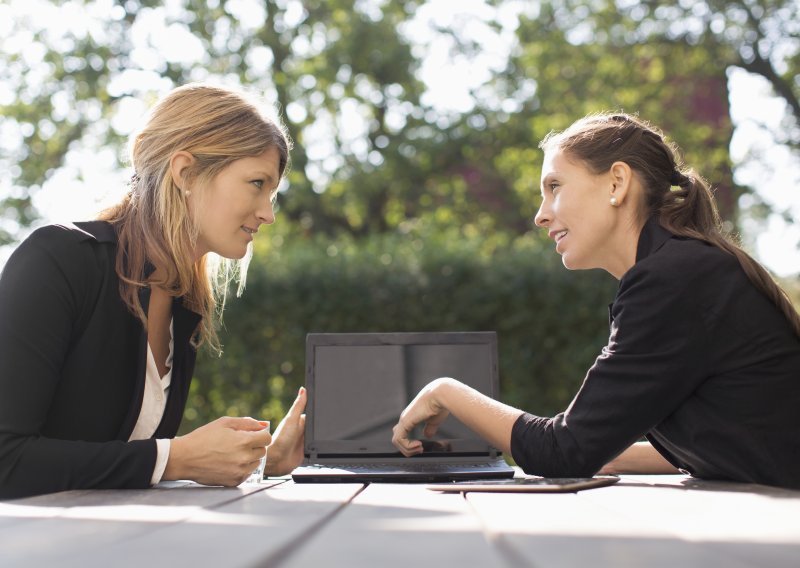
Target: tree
339, 70
369, 154
759, 36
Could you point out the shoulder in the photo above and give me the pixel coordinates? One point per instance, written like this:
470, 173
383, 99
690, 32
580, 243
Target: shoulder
70, 241
680, 280
74, 251
682, 264
665, 299
73, 233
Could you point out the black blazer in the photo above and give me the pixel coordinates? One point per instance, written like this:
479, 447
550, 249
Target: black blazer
72, 367
698, 360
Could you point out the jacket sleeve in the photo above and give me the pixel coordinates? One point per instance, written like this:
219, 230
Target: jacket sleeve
43, 288
652, 362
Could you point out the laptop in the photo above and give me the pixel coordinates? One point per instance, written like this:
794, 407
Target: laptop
359, 383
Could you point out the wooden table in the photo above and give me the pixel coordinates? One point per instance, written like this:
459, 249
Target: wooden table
645, 521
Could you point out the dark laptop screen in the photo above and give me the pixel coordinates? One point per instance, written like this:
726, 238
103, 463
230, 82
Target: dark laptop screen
357, 391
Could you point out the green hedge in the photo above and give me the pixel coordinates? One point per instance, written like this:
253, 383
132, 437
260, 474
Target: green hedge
551, 323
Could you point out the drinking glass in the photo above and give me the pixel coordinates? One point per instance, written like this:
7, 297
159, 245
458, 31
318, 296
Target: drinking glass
258, 473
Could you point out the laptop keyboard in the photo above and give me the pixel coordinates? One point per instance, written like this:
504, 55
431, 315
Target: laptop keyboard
415, 467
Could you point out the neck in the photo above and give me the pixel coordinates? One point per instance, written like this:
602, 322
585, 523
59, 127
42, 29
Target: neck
626, 245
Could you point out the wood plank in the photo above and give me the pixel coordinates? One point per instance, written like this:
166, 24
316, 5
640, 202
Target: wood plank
391, 525
563, 530
77, 521
254, 530
642, 521
758, 524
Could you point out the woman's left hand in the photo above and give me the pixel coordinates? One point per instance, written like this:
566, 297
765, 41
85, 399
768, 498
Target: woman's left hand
286, 450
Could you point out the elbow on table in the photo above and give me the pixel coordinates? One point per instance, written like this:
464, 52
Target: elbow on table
555, 465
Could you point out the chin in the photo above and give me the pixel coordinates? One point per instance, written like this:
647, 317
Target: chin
572, 264
232, 253
238, 255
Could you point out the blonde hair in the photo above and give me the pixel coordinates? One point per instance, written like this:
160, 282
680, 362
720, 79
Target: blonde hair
217, 126
678, 196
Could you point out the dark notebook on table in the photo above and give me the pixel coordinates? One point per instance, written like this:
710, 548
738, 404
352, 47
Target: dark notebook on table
359, 383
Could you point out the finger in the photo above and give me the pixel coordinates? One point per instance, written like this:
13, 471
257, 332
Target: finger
299, 404
257, 453
258, 439
250, 460
300, 442
432, 426
292, 430
243, 423
400, 432
430, 430
401, 441
409, 447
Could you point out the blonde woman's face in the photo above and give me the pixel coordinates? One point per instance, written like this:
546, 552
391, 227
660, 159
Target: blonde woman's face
236, 202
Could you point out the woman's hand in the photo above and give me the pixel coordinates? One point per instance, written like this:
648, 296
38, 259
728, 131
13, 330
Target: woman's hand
286, 451
489, 418
426, 407
223, 452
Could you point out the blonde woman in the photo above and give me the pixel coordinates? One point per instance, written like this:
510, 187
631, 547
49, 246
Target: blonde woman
703, 358
100, 321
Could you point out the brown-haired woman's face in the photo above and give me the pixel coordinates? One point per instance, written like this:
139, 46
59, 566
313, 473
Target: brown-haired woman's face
236, 202
576, 211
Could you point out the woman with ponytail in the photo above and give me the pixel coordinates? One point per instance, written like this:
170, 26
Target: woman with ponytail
100, 321
703, 357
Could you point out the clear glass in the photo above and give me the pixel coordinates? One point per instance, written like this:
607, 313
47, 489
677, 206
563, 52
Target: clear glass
258, 473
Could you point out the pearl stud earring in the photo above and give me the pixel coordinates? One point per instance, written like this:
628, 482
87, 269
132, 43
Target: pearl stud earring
613, 201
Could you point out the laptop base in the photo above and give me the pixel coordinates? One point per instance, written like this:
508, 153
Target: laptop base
393, 473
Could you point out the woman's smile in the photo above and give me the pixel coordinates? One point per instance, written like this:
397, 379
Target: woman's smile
249, 232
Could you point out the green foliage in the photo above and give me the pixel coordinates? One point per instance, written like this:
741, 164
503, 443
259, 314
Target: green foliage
573, 61
369, 152
551, 323
399, 217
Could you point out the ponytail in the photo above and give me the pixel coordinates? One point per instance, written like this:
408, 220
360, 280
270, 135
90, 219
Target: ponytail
690, 211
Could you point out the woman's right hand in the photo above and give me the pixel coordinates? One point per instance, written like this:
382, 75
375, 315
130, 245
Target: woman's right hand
489, 418
426, 408
223, 452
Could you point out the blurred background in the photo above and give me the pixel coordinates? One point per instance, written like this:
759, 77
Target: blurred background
415, 170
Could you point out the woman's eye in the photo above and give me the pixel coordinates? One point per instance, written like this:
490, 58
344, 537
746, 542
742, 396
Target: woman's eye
554, 187
259, 183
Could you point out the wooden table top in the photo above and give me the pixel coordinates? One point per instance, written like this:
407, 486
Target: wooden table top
641, 521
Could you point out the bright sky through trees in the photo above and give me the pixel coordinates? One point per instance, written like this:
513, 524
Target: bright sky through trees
91, 180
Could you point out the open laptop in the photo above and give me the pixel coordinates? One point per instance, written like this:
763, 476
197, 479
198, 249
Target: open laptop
359, 383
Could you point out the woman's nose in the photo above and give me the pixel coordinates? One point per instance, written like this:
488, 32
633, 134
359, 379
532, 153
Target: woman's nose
266, 214
542, 217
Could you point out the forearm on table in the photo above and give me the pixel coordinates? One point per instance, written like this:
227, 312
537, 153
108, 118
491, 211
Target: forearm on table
489, 418
641, 457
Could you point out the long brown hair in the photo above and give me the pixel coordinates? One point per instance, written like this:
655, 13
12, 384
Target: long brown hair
217, 126
677, 195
